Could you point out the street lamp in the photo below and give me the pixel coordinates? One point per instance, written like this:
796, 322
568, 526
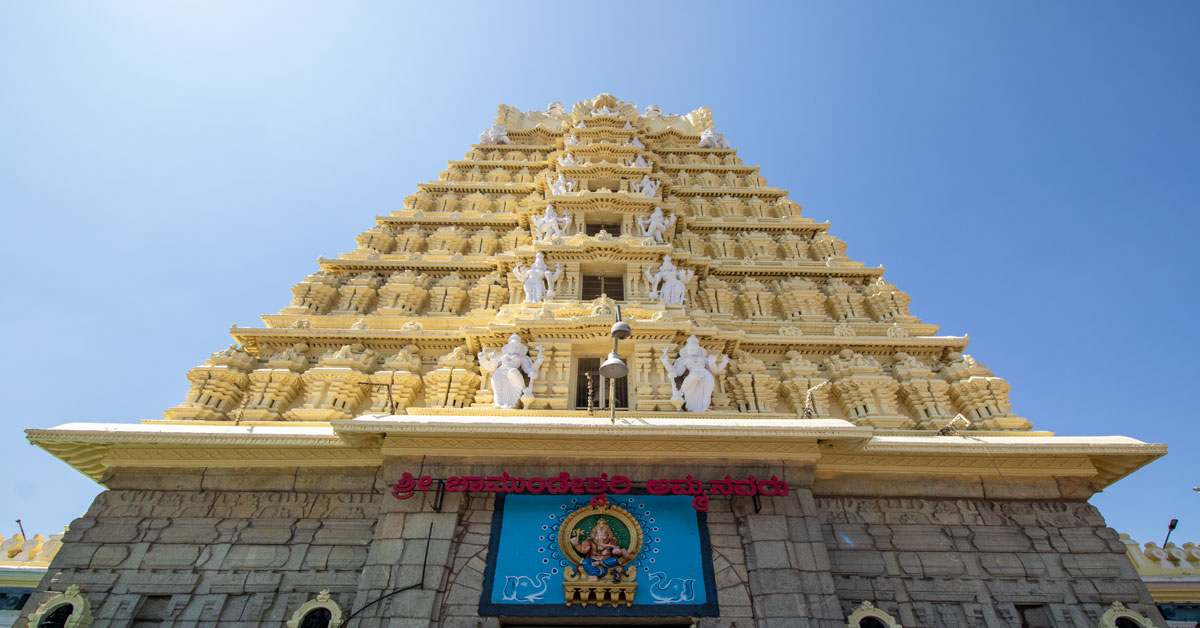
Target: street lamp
614, 367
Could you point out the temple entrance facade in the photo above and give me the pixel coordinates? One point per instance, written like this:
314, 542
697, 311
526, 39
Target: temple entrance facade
435, 433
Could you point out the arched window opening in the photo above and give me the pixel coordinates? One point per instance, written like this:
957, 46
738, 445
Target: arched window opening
1125, 622
871, 622
57, 617
316, 618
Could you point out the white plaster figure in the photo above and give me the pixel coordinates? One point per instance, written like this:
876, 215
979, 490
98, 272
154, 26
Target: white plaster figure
628, 126
550, 224
711, 139
567, 160
642, 163
538, 281
654, 225
560, 186
581, 125
571, 140
603, 111
653, 111
509, 369
555, 109
674, 282
636, 143
646, 186
697, 388
495, 135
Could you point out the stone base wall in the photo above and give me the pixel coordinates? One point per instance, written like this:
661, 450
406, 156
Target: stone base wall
248, 547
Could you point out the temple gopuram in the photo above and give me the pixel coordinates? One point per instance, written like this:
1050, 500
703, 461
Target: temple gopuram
598, 373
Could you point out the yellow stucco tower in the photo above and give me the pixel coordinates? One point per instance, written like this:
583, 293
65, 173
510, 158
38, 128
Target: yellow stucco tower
441, 430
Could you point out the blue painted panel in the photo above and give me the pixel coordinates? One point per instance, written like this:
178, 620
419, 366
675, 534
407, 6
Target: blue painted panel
526, 565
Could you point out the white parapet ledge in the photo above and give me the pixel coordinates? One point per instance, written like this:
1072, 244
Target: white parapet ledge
1008, 445
280, 434
629, 424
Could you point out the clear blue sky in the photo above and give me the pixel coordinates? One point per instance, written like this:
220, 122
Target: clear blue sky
1027, 171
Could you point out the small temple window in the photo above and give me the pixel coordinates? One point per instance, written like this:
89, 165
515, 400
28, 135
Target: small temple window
57, 617
591, 366
596, 285
1125, 622
613, 229
316, 618
871, 622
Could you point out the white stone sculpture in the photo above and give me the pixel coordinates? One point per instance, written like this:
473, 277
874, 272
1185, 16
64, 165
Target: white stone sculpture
603, 111
642, 163
550, 224
555, 109
571, 140
509, 369
628, 126
581, 125
697, 388
560, 186
674, 282
538, 281
495, 135
654, 225
711, 139
653, 111
566, 160
636, 143
646, 186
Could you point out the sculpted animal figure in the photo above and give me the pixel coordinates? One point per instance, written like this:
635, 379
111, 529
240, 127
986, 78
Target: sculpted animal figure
524, 588
672, 590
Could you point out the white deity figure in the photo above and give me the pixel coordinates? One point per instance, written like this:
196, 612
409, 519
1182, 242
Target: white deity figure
646, 186
674, 282
566, 160
628, 126
509, 368
495, 135
711, 139
697, 388
537, 280
603, 111
654, 225
636, 143
653, 111
642, 163
550, 224
555, 109
581, 125
560, 186
571, 140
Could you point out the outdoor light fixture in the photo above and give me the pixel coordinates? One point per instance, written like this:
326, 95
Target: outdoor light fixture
614, 367
1170, 529
959, 422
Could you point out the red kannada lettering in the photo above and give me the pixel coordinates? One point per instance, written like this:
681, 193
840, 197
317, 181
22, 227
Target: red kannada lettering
564, 483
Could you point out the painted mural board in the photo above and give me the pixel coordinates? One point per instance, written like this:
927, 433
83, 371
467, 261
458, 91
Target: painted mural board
607, 556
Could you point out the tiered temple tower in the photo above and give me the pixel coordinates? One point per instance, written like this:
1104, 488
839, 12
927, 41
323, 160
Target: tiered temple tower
459, 347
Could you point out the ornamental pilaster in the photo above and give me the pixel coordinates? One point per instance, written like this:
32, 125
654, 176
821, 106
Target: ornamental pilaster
752, 388
844, 302
375, 240
799, 377
411, 240
275, 387
396, 385
454, 382
755, 299
981, 396
799, 299
489, 293
315, 295
448, 295
404, 294
867, 396
716, 297
216, 387
886, 303
357, 296
926, 395
333, 389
